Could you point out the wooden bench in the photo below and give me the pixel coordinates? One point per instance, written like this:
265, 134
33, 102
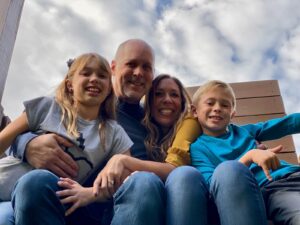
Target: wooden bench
259, 101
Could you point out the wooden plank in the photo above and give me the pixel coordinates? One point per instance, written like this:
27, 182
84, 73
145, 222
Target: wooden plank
287, 143
288, 157
260, 106
249, 89
256, 88
256, 118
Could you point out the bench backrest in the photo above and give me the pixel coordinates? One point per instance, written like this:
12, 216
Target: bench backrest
259, 101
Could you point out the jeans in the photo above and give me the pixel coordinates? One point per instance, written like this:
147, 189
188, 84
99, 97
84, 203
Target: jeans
144, 199
186, 197
35, 194
6, 214
282, 198
237, 196
34, 199
140, 200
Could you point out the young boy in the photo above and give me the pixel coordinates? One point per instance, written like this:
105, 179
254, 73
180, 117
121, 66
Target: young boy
243, 181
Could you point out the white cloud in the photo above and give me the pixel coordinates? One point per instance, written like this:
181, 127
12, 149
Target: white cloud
195, 40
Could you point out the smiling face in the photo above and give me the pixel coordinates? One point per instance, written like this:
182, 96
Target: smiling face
133, 69
167, 103
89, 85
214, 110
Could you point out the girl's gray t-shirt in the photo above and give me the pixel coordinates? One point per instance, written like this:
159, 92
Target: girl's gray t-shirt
44, 116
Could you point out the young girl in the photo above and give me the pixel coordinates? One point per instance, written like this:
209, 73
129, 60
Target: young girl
83, 111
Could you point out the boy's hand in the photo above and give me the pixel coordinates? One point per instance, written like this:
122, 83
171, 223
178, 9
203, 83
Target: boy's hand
266, 159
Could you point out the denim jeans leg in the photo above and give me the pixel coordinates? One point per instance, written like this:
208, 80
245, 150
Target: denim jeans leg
34, 199
186, 197
6, 214
139, 201
237, 196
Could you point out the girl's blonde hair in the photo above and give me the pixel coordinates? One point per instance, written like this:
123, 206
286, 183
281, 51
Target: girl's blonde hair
155, 145
211, 85
69, 107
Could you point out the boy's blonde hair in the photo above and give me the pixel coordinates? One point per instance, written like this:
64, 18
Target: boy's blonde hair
156, 145
211, 85
67, 104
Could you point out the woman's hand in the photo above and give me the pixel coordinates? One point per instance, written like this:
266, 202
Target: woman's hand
111, 176
266, 159
75, 194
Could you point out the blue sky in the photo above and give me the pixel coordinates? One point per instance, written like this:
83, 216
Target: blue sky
194, 40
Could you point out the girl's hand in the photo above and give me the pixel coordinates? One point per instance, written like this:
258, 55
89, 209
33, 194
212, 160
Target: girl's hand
74, 194
111, 176
266, 159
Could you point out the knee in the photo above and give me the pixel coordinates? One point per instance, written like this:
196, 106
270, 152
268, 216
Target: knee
229, 172
186, 185
185, 178
144, 183
232, 176
142, 188
35, 184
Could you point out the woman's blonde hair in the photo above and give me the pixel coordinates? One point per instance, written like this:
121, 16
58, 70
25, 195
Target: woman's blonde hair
155, 145
211, 85
69, 107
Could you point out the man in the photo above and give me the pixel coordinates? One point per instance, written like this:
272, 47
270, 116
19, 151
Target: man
139, 200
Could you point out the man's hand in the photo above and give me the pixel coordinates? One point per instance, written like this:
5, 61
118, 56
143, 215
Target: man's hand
266, 159
45, 152
111, 176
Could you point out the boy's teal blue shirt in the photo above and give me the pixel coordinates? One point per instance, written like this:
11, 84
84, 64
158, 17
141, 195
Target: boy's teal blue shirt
208, 152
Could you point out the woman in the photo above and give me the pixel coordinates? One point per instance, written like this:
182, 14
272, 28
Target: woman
166, 104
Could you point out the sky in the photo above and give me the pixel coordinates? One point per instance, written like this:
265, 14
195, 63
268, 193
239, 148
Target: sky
194, 40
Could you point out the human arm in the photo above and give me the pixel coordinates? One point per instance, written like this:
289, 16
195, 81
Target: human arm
275, 128
266, 159
9, 133
187, 133
178, 153
122, 165
76, 195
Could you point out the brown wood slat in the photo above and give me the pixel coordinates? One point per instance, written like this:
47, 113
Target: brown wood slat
256, 118
287, 143
260, 106
289, 157
191, 90
256, 89
250, 89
